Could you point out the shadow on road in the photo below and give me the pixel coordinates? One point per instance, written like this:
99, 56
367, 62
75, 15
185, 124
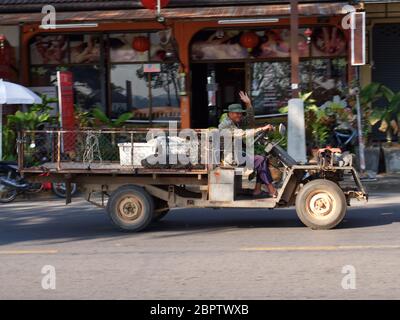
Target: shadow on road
55, 223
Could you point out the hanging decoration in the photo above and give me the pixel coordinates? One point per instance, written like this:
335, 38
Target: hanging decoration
152, 4
249, 40
6, 54
2, 41
141, 44
308, 33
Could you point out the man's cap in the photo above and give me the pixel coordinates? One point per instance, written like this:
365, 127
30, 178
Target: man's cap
236, 107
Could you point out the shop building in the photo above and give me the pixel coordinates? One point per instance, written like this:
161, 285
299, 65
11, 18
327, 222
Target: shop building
189, 67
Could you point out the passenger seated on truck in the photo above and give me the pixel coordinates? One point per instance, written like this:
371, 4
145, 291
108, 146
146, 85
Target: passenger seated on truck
236, 119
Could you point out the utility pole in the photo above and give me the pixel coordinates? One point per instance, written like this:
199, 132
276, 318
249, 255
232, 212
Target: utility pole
294, 47
296, 121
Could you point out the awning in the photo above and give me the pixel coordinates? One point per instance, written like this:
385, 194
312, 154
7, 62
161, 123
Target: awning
310, 9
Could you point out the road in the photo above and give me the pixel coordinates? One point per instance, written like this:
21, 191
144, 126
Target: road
198, 254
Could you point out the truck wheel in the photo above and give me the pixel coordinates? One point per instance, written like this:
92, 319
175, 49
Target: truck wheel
321, 204
130, 208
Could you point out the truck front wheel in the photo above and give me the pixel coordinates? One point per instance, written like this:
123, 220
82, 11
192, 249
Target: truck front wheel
131, 208
321, 204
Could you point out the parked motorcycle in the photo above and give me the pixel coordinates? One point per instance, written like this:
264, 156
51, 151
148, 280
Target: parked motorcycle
12, 184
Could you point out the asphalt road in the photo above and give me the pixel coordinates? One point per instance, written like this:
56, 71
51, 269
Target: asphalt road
198, 254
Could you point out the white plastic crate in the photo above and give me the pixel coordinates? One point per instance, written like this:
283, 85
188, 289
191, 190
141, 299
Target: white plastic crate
140, 152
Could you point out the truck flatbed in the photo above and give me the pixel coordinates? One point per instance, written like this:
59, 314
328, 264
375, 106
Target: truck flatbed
105, 168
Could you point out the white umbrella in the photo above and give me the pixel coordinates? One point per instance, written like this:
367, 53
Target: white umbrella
12, 93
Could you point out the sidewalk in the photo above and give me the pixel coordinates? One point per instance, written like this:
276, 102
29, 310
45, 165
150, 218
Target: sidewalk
385, 183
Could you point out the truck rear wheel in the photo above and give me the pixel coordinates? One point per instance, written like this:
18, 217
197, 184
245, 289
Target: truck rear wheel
321, 204
130, 208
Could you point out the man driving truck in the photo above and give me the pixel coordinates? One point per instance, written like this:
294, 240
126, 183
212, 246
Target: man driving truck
238, 118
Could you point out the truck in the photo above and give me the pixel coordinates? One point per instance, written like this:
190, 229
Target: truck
110, 169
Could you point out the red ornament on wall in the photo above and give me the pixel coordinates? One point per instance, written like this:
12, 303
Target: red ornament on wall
152, 4
308, 32
6, 52
141, 44
249, 40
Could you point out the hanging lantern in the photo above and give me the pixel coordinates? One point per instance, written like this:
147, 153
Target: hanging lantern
249, 40
152, 4
141, 44
308, 33
2, 41
6, 51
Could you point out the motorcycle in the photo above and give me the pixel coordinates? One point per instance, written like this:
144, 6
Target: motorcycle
12, 184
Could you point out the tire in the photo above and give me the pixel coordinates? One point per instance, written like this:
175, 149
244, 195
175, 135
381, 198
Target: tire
60, 190
321, 204
35, 188
130, 208
7, 195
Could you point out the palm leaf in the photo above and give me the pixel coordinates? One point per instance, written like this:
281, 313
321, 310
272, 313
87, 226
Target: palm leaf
122, 119
101, 116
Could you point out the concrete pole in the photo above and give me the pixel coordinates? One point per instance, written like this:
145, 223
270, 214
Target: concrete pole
296, 122
296, 131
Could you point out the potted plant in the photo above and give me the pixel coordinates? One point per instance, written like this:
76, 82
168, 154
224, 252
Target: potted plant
37, 117
318, 124
368, 95
387, 117
109, 147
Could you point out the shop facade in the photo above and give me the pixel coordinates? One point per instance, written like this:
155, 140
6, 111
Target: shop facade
187, 68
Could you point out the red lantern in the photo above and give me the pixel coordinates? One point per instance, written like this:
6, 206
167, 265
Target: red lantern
249, 40
6, 51
152, 4
2, 41
308, 33
141, 44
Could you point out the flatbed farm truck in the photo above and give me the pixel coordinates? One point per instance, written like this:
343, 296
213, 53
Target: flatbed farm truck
135, 196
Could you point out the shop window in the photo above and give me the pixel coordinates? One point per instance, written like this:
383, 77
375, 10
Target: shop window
43, 76
270, 43
78, 53
148, 95
143, 76
164, 93
84, 48
51, 49
129, 92
87, 93
326, 78
270, 87
122, 47
142, 69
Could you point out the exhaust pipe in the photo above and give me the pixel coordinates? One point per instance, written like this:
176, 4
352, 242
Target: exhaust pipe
13, 183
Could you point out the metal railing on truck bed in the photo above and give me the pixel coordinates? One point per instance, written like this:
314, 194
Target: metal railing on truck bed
106, 151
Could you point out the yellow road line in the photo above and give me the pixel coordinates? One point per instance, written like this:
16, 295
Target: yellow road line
5, 252
321, 248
